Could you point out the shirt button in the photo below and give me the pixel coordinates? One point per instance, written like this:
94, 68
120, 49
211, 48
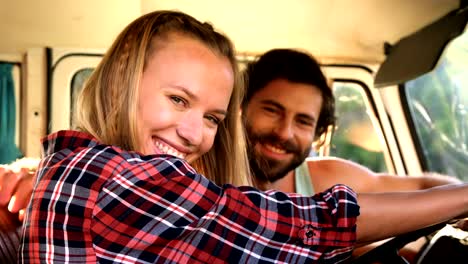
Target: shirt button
309, 233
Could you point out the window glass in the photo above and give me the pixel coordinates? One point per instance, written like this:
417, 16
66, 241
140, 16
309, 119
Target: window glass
77, 84
355, 137
438, 105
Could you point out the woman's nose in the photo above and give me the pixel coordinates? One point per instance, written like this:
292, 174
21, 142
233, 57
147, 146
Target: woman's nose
190, 129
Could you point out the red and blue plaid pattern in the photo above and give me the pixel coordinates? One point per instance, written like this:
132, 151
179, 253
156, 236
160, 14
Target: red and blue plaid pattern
97, 203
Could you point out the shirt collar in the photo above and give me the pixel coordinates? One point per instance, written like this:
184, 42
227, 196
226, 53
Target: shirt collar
67, 139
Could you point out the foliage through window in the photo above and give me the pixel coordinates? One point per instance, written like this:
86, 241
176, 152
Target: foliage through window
355, 137
438, 104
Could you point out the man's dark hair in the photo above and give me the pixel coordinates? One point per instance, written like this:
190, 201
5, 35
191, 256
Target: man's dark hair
294, 66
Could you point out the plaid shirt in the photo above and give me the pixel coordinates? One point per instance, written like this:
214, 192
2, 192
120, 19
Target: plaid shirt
97, 203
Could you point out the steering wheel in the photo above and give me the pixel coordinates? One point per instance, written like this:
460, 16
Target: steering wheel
388, 251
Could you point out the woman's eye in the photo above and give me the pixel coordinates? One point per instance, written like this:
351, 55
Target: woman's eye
213, 120
178, 100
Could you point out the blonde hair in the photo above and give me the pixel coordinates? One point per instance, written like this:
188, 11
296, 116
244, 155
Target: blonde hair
107, 105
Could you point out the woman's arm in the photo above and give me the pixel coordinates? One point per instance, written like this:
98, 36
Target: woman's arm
16, 182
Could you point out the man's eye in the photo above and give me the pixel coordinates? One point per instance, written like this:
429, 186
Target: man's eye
270, 109
305, 123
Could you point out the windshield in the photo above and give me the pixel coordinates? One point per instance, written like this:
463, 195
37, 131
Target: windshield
438, 105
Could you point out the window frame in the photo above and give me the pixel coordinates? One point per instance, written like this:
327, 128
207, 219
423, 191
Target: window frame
364, 76
65, 64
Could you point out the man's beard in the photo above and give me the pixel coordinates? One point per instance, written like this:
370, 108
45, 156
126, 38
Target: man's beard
265, 169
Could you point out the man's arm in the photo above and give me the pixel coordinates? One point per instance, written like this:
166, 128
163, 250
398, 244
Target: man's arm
328, 171
388, 214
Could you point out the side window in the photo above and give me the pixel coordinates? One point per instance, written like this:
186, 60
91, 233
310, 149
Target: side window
356, 134
9, 112
77, 83
438, 106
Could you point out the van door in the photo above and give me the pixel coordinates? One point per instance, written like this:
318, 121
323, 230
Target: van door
69, 69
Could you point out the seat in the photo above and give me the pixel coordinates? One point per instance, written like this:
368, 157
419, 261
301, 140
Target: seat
10, 230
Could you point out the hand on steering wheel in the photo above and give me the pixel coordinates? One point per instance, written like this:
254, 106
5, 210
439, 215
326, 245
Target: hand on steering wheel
388, 251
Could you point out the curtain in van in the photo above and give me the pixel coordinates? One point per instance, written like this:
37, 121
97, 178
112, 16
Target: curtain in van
9, 152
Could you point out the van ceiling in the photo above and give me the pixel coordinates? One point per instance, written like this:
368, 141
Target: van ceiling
337, 29
343, 30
